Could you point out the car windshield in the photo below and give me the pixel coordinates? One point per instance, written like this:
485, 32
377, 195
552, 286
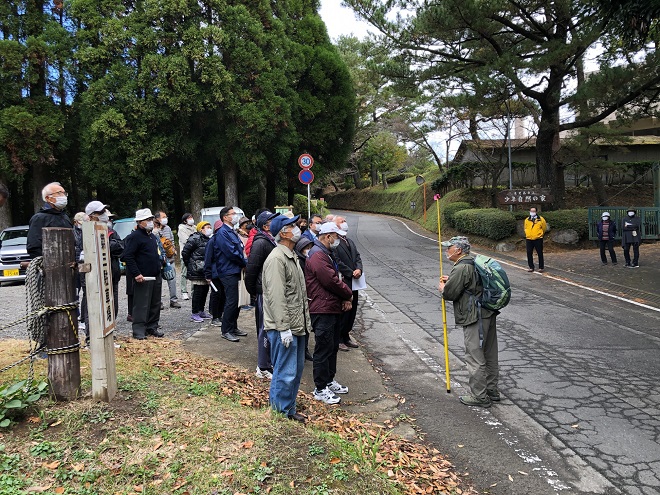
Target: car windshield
9, 235
18, 241
123, 228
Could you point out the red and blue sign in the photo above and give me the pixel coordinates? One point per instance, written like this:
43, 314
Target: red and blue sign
306, 176
306, 161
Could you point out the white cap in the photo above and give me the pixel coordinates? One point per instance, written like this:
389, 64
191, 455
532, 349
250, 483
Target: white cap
143, 214
94, 206
605, 214
329, 228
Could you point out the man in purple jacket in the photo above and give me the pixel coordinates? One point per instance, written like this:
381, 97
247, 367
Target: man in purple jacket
328, 297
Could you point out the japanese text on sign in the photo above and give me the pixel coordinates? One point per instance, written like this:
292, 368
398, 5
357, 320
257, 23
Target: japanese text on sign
105, 282
521, 196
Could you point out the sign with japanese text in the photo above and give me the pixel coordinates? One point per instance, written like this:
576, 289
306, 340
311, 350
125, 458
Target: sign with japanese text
107, 305
524, 196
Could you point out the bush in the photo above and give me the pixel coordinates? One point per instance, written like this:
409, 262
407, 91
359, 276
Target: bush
451, 209
396, 178
569, 219
486, 222
300, 206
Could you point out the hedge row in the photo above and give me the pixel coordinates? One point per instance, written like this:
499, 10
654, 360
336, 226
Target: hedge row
450, 210
569, 219
486, 222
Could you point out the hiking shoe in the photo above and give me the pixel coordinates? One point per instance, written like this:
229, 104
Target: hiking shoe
471, 400
343, 347
230, 337
239, 332
634, 266
541, 270
627, 265
493, 394
337, 388
205, 316
268, 375
326, 395
196, 318
530, 269
185, 296
216, 322
175, 304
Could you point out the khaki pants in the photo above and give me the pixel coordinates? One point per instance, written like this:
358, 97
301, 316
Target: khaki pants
482, 362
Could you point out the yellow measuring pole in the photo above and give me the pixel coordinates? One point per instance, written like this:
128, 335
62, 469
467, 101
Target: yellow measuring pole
444, 309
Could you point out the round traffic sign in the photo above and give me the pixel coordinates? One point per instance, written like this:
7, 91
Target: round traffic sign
305, 161
306, 176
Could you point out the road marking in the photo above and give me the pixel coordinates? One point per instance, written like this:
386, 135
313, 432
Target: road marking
568, 282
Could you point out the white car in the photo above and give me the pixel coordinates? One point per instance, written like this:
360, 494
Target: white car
13, 253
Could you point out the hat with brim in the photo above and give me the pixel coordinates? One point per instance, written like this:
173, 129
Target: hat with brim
460, 242
264, 217
280, 222
330, 228
143, 214
605, 214
94, 206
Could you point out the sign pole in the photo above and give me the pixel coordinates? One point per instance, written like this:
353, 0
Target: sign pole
309, 203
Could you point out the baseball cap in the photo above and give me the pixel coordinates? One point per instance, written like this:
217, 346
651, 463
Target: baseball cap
143, 214
460, 242
329, 228
605, 214
281, 221
264, 217
94, 206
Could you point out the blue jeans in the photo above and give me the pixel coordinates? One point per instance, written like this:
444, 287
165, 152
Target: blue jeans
231, 309
288, 363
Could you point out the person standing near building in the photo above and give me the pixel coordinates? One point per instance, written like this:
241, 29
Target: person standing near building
631, 234
463, 287
51, 214
286, 316
144, 262
185, 229
606, 233
534, 231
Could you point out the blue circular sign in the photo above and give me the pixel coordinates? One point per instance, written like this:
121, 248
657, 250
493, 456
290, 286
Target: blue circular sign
306, 176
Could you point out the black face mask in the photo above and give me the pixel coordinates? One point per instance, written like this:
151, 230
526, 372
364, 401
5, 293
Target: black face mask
303, 228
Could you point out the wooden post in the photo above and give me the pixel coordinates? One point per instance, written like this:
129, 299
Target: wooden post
59, 258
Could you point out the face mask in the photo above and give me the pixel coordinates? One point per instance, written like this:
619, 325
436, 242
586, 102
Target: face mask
306, 253
532, 214
334, 244
207, 232
163, 221
630, 213
104, 218
605, 219
295, 234
344, 226
150, 226
190, 221
235, 219
61, 202
315, 227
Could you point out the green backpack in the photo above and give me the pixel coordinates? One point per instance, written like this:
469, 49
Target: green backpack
496, 287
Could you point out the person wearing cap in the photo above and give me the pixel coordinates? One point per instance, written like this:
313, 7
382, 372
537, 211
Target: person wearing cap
225, 254
630, 236
328, 297
535, 226
51, 214
302, 250
263, 244
193, 254
144, 260
162, 228
185, 229
463, 287
253, 232
286, 316
606, 233
314, 225
350, 266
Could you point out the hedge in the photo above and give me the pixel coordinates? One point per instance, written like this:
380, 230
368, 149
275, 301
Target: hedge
486, 222
569, 219
451, 209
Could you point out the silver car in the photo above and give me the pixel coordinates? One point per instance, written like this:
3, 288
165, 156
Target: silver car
13, 253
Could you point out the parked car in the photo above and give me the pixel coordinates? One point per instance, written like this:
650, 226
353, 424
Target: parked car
123, 227
211, 215
13, 253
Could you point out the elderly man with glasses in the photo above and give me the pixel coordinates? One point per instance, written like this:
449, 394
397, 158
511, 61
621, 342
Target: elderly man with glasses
51, 214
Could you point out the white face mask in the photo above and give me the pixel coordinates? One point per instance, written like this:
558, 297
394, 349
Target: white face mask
207, 232
150, 225
344, 226
235, 219
61, 202
296, 233
630, 213
163, 221
190, 221
334, 244
306, 253
532, 214
605, 219
104, 218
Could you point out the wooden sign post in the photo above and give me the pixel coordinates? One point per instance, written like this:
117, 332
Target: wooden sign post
101, 310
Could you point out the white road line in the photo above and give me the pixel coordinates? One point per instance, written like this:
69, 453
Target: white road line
568, 282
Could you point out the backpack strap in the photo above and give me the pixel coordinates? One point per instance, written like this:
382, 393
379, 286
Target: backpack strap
475, 301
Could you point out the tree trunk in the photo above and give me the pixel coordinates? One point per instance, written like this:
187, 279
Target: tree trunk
271, 185
220, 178
599, 187
196, 190
230, 175
551, 175
374, 175
5, 211
261, 191
39, 181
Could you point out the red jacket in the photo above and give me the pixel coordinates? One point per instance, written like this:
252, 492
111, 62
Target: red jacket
250, 239
325, 290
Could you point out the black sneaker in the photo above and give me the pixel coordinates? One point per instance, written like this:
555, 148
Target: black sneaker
634, 266
493, 394
230, 337
239, 332
627, 265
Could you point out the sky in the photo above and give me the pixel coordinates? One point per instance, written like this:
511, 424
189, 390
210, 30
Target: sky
341, 20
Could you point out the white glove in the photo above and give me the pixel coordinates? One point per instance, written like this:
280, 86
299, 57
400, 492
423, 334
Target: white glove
286, 337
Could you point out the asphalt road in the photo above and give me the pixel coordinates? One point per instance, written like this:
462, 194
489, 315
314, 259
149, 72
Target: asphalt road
579, 364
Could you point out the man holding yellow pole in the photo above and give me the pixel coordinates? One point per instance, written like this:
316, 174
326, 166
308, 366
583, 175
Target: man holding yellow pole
463, 287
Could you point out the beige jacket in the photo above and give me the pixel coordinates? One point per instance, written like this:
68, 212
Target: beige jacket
284, 293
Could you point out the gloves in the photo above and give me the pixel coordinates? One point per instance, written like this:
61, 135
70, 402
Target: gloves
286, 337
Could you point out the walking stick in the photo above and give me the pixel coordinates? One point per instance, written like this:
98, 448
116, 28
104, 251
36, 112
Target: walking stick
444, 309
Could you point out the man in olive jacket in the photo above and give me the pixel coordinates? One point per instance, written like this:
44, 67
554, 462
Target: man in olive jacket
286, 316
463, 287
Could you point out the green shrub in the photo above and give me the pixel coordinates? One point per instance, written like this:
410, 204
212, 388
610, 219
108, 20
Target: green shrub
17, 399
396, 178
569, 219
486, 222
451, 209
300, 206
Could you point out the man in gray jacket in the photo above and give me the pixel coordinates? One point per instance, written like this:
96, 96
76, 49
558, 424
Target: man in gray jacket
286, 316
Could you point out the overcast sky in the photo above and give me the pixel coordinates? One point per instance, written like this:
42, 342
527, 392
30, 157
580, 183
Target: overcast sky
341, 20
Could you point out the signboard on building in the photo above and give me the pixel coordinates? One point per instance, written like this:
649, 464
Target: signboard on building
524, 196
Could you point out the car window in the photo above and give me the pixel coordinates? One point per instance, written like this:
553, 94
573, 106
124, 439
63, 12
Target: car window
8, 235
18, 241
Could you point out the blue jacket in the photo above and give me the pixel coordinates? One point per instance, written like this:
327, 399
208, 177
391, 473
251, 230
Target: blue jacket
310, 235
224, 254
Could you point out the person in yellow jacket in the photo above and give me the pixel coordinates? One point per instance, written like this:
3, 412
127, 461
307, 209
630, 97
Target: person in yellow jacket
534, 229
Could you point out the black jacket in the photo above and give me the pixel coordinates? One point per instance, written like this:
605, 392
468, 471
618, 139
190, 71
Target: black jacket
262, 245
46, 217
141, 254
631, 231
193, 255
116, 251
349, 259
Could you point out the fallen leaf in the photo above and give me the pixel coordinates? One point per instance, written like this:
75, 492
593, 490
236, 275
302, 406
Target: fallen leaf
292, 484
138, 488
523, 473
248, 445
52, 466
59, 490
58, 422
158, 445
34, 419
335, 460
356, 468
460, 446
575, 426
510, 478
390, 473
227, 473
78, 467
38, 489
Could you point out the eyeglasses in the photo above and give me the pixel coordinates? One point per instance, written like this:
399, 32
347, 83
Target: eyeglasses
59, 193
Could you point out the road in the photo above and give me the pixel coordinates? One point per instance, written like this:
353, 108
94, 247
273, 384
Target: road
578, 364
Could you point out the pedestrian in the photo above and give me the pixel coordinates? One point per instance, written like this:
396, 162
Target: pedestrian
217, 299
463, 287
253, 232
606, 233
315, 222
286, 316
302, 250
262, 245
244, 298
144, 263
185, 229
350, 266
302, 224
534, 230
162, 229
328, 297
225, 252
193, 254
51, 214
78, 220
630, 236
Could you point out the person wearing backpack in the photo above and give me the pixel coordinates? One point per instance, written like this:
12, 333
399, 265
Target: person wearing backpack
464, 288
535, 226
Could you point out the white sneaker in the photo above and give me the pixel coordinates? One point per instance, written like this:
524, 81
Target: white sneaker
337, 388
326, 395
81, 325
264, 374
185, 296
